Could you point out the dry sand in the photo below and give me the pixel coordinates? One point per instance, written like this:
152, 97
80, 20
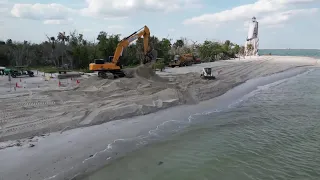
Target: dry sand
35, 110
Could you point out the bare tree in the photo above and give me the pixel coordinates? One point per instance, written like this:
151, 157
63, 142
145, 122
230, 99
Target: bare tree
18, 52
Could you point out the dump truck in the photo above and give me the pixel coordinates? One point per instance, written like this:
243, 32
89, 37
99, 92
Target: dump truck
182, 60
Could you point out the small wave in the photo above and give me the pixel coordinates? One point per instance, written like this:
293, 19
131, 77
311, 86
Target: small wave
268, 86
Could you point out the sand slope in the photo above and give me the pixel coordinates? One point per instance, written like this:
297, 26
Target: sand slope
96, 101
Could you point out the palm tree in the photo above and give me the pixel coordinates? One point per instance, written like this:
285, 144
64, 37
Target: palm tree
52, 40
63, 38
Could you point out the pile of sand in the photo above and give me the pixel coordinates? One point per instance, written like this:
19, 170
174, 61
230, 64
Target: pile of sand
142, 79
143, 71
148, 73
144, 93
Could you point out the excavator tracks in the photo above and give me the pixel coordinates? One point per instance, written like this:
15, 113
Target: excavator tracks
111, 74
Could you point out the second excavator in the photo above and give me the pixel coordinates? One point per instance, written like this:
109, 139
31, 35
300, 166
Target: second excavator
112, 67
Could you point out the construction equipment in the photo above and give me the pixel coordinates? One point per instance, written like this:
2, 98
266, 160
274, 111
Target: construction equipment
182, 60
21, 71
63, 69
207, 73
112, 67
197, 60
2, 70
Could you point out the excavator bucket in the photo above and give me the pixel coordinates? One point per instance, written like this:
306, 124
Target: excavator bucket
150, 57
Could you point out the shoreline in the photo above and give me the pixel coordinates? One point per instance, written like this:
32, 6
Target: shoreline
86, 105
94, 138
94, 101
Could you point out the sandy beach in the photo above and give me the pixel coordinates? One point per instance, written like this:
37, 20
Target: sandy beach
53, 127
33, 111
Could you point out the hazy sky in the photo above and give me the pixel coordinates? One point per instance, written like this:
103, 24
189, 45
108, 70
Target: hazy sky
282, 23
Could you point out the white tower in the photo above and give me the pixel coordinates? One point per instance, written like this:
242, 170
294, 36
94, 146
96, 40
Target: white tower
252, 38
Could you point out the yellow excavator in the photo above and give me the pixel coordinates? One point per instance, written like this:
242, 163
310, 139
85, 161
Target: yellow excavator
112, 67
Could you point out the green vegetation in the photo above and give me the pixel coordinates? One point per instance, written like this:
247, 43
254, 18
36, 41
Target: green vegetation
159, 64
47, 69
249, 47
76, 52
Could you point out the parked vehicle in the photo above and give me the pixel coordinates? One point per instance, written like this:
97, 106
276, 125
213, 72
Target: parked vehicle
20, 71
2, 70
182, 60
197, 60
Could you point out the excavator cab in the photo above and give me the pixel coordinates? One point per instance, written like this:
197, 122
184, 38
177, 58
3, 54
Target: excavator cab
109, 59
99, 61
176, 58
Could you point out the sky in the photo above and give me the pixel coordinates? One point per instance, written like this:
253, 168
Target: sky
282, 23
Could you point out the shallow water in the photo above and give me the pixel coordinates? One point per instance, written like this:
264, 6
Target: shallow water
291, 52
274, 134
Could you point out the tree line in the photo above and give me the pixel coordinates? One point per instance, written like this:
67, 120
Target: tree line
77, 52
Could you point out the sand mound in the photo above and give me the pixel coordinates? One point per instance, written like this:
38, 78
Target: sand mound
133, 107
144, 80
147, 72
92, 83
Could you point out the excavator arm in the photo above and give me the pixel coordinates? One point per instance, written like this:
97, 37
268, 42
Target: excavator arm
113, 67
125, 42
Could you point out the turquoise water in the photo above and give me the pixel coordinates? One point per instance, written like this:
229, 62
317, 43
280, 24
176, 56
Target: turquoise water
291, 52
274, 134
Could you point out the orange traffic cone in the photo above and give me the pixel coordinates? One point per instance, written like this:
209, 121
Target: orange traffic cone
17, 85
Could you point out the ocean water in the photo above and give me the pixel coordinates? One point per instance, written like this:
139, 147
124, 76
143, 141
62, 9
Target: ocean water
273, 134
291, 52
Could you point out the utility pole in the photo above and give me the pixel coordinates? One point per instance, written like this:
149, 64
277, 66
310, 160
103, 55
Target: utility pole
9, 79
